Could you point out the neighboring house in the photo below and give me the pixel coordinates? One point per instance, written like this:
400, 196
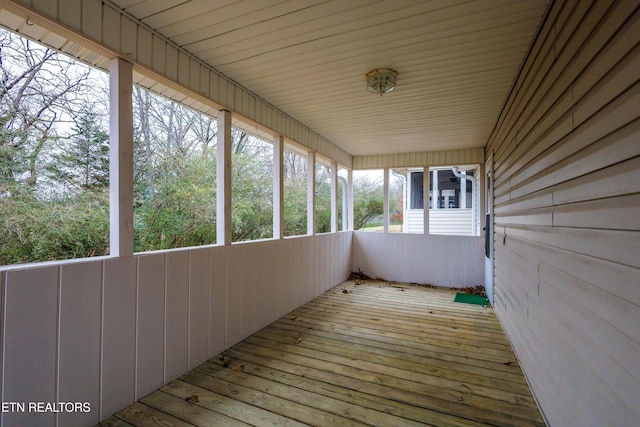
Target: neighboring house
457, 210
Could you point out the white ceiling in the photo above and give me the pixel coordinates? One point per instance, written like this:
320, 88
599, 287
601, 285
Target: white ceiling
456, 61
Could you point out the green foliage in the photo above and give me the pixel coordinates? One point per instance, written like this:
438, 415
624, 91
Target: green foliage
181, 211
252, 197
368, 205
323, 199
295, 206
83, 159
65, 228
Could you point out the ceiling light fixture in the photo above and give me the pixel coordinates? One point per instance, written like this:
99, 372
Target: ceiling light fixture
381, 80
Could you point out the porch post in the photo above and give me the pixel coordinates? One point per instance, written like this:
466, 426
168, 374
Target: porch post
311, 193
334, 197
425, 198
278, 187
435, 195
349, 207
463, 191
121, 158
223, 178
385, 201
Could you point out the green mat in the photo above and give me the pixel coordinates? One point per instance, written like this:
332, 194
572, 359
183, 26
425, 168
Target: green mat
471, 299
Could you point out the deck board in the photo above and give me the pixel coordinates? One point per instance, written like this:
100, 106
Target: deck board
384, 354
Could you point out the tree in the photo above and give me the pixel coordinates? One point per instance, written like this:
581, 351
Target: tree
83, 159
367, 201
323, 199
53, 176
295, 194
39, 89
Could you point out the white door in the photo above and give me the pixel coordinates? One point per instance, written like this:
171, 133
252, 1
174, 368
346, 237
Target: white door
488, 230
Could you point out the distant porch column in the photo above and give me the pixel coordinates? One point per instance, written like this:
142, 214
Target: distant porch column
311, 193
435, 194
334, 197
121, 158
278, 187
385, 201
349, 206
223, 179
425, 198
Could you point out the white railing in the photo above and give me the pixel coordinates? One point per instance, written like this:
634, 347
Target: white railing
458, 222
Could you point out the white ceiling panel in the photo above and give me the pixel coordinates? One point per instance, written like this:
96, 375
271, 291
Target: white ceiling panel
456, 59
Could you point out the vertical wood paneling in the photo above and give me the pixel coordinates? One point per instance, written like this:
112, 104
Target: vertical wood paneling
159, 47
70, 12
111, 28
287, 253
150, 323
171, 63
198, 306
308, 268
260, 291
176, 344
118, 335
145, 46
48, 7
218, 300
204, 84
126, 326
395, 250
129, 39
92, 19
30, 342
248, 290
234, 295
435, 259
194, 76
80, 327
183, 68
296, 270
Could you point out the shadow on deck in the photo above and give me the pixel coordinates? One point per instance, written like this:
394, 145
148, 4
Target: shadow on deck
386, 354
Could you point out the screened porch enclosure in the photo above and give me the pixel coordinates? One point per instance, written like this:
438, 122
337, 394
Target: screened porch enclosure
537, 101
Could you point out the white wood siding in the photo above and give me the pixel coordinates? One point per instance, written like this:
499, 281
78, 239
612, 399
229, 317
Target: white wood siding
109, 331
453, 261
567, 209
174, 72
441, 221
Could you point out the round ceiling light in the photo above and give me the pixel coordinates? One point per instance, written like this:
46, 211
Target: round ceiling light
381, 80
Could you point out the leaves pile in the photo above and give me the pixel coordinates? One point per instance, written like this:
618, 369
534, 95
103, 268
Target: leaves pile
474, 290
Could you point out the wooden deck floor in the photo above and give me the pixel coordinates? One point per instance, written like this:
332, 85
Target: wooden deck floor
372, 354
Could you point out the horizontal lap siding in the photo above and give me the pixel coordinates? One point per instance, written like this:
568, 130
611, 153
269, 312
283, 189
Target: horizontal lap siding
110, 331
567, 214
